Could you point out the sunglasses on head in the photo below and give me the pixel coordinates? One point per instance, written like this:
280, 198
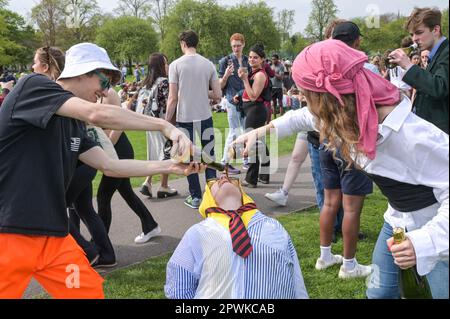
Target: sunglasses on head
105, 82
233, 180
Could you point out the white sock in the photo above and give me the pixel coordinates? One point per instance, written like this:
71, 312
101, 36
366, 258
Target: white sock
284, 192
350, 264
325, 253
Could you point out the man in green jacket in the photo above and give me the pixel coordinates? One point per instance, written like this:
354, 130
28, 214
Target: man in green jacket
431, 102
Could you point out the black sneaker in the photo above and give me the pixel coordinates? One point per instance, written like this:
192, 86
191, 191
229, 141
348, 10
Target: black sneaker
144, 190
164, 192
264, 178
100, 263
94, 260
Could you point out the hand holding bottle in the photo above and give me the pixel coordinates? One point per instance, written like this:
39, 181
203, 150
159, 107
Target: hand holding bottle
182, 147
185, 169
411, 284
403, 253
401, 58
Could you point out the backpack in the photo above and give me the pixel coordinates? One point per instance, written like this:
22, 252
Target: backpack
147, 102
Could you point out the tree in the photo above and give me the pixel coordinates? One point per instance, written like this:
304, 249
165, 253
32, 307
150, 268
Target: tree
48, 15
81, 22
445, 30
323, 12
203, 17
256, 22
136, 8
387, 36
160, 10
17, 39
294, 45
285, 23
127, 39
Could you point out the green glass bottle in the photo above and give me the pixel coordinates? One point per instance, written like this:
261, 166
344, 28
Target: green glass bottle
408, 50
411, 284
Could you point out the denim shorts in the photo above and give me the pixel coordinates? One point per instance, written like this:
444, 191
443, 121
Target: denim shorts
334, 175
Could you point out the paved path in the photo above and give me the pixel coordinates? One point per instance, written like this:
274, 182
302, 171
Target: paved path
175, 218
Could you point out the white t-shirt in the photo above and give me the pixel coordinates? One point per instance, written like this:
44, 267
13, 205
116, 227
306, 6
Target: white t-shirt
194, 75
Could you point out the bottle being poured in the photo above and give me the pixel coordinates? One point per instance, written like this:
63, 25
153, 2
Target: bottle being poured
408, 50
198, 155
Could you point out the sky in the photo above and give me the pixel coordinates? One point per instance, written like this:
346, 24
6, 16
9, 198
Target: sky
347, 8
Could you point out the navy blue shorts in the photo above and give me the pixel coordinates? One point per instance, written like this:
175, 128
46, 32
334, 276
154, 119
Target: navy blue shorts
335, 176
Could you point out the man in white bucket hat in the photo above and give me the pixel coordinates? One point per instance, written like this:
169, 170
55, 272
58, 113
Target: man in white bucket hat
43, 134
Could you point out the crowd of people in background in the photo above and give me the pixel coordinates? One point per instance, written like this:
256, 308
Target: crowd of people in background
257, 92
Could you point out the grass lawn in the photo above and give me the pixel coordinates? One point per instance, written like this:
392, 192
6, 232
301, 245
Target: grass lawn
147, 279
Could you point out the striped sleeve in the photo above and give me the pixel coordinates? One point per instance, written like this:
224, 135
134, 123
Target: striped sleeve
300, 289
180, 283
181, 279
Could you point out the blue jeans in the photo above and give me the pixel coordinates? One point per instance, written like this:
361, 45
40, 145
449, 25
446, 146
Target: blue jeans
317, 174
205, 130
384, 280
236, 127
318, 184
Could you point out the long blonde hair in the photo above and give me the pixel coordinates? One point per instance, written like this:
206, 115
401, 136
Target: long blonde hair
338, 124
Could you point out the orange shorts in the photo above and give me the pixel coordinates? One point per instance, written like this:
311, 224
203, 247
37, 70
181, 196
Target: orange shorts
57, 263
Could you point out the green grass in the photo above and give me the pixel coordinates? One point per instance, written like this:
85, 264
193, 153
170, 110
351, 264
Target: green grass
137, 139
147, 279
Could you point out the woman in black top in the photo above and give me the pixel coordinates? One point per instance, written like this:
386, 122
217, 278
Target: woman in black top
256, 87
108, 185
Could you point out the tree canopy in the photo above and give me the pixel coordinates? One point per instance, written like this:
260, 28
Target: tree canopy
127, 39
254, 20
17, 39
323, 12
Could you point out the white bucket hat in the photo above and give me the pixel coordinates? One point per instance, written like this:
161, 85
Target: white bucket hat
85, 57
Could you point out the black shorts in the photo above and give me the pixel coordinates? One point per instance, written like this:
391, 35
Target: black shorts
277, 93
335, 176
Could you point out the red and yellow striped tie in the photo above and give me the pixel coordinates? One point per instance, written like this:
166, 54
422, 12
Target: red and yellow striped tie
239, 235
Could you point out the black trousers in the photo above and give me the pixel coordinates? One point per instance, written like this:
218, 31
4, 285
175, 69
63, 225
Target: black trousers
109, 185
79, 200
255, 117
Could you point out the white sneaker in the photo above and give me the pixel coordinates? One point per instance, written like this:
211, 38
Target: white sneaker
322, 264
143, 238
278, 197
360, 271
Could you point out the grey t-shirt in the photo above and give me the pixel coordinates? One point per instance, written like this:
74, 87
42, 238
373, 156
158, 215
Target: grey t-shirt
279, 70
194, 75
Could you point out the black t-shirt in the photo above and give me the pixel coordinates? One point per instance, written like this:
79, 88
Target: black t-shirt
38, 156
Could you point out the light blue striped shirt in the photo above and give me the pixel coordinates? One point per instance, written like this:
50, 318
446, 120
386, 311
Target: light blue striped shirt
204, 265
